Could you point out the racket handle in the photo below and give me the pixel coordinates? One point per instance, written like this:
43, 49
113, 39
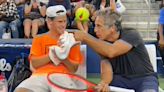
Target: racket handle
90, 90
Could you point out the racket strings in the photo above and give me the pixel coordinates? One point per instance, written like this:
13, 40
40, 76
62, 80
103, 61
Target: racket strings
63, 80
70, 82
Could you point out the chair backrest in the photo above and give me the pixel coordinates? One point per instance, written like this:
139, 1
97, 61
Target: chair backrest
82, 69
152, 55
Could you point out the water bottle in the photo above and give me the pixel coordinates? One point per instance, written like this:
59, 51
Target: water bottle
3, 83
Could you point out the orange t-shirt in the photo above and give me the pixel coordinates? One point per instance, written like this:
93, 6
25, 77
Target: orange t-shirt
40, 47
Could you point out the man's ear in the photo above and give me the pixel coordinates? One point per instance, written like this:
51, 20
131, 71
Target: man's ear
50, 22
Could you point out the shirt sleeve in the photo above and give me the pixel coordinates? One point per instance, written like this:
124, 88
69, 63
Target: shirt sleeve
132, 37
75, 55
36, 48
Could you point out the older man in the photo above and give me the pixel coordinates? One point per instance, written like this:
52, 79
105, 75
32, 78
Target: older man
125, 50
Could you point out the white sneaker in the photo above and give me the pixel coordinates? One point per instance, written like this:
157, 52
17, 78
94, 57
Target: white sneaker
6, 35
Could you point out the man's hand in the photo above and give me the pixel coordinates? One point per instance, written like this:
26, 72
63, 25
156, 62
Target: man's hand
52, 56
161, 43
102, 87
80, 35
63, 40
65, 43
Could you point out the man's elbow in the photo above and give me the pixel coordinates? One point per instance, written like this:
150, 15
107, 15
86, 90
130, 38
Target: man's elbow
111, 55
31, 67
34, 64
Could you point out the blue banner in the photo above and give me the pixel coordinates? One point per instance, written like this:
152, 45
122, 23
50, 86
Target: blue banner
8, 55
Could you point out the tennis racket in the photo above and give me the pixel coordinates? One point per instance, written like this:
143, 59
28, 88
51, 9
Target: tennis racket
63, 82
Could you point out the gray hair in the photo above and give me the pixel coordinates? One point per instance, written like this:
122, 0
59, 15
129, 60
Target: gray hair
110, 17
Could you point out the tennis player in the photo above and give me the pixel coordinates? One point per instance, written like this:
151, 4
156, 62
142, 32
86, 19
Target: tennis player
40, 57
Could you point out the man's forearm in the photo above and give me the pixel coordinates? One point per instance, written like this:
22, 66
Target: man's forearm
40, 61
99, 46
71, 67
106, 71
80, 26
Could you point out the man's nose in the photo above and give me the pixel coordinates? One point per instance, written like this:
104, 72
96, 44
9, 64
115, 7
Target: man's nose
63, 24
95, 30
